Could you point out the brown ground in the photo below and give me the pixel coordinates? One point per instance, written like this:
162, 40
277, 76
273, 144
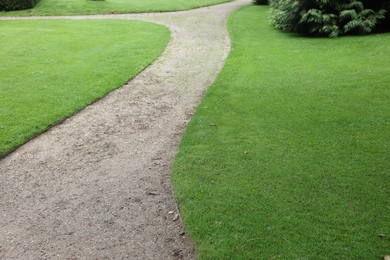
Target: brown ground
97, 185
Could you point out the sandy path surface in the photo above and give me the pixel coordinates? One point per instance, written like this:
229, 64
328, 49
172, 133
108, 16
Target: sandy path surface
97, 185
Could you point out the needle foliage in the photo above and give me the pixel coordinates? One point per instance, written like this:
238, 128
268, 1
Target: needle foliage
330, 17
10, 5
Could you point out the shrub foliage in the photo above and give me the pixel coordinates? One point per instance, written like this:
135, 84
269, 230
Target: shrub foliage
329, 17
261, 2
11, 5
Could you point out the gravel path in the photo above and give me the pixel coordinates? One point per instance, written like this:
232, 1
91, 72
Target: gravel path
97, 185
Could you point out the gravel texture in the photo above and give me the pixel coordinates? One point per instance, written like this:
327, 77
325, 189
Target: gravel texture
97, 185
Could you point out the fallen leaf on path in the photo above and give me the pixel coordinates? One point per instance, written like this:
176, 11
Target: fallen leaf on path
176, 217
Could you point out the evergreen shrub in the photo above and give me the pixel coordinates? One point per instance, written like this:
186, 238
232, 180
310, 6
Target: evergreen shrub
329, 17
261, 2
11, 5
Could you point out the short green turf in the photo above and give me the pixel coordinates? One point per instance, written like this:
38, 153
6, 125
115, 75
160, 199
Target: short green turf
73, 7
51, 69
288, 155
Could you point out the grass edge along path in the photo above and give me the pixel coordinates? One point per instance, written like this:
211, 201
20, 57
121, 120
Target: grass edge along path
287, 156
89, 7
53, 69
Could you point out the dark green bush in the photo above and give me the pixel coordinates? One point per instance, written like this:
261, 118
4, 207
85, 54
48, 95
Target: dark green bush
329, 17
11, 5
260, 2
381, 4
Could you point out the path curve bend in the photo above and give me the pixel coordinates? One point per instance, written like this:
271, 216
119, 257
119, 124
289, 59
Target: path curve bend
97, 185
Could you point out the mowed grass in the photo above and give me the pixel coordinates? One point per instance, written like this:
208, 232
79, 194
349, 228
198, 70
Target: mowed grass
51, 69
73, 7
288, 155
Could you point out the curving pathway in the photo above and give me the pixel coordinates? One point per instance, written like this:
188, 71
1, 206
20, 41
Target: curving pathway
97, 185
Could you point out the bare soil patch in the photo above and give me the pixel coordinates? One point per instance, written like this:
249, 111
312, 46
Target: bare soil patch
97, 186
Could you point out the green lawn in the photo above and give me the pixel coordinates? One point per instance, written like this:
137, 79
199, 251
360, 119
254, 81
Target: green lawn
73, 7
51, 69
288, 155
